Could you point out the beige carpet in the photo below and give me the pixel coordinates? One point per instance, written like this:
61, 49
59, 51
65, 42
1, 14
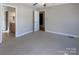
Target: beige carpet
39, 43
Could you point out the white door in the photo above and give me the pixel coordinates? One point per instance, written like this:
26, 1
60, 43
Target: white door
36, 21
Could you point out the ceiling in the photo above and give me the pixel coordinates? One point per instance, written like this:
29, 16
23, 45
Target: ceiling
36, 6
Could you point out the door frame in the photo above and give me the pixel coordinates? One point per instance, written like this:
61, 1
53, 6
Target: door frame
6, 5
39, 20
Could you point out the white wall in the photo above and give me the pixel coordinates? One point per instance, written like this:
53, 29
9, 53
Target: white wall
63, 19
10, 16
11, 13
0, 23
24, 20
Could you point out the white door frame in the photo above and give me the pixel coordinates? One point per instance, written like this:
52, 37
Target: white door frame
15, 14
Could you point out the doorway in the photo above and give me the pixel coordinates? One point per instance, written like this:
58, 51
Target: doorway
9, 22
42, 21
38, 21
6, 20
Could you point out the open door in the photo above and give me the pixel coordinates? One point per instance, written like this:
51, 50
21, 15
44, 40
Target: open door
36, 21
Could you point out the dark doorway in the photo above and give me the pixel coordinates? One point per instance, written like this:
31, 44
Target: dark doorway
42, 21
6, 20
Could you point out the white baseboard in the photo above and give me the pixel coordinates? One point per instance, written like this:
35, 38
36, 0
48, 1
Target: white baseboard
23, 34
65, 34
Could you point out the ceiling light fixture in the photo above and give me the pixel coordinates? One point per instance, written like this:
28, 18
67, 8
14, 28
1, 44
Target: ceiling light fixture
41, 4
